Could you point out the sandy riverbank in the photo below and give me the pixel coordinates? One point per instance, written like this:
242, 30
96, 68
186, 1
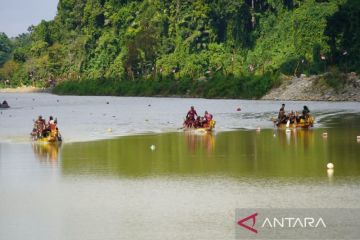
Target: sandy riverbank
313, 88
24, 89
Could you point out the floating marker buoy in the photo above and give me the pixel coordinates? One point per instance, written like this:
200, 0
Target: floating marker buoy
57, 100
325, 135
149, 105
330, 166
107, 102
358, 139
152, 147
258, 129
274, 135
109, 129
238, 109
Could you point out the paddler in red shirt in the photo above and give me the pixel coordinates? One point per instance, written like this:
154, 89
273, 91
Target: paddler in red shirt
190, 117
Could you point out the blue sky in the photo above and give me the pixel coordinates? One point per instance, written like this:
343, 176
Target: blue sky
17, 15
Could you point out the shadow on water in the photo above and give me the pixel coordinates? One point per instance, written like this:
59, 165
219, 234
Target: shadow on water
269, 153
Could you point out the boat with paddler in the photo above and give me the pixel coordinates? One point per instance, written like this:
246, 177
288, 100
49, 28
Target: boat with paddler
304, 123
205, 128
51, 137
46, 133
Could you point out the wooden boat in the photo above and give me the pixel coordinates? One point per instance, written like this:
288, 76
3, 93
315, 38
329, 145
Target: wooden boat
49, 139
53, 137
303, 123
198, 130
209, 128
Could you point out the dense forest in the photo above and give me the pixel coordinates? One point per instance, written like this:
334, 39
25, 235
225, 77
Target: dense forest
208, 48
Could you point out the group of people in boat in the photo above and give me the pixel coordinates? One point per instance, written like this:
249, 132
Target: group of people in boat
193, 120
49, 129
292, 117
43, 129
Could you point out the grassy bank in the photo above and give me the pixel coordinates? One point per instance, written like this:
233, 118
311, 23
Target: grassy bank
208, 87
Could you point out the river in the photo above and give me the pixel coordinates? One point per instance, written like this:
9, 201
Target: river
106, 182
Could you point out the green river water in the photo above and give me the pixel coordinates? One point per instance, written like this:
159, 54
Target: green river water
187, 186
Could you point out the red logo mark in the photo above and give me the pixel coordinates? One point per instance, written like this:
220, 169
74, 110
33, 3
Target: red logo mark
242, 221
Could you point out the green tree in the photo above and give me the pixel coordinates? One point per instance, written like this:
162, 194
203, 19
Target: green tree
5, 48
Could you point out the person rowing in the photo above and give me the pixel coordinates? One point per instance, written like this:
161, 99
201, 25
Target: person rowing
282, 115
305, 113
198, 122
50, 127
39, 128
47, 130
190, 117
194, 121
292, 117
207, 119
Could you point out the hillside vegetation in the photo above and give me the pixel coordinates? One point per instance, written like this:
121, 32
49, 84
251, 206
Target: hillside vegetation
208, 48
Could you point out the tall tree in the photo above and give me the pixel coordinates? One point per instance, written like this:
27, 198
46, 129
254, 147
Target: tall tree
5, 48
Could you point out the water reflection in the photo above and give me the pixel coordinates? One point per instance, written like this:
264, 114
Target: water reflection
196, 141
301, 153
330, 173
47, 153
299, 138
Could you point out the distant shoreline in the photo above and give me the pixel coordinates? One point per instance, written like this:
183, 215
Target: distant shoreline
303, 88
25, 89
314, 88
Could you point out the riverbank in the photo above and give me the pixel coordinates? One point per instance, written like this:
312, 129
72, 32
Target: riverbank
211, 87
326, 87
331, 86
25, 89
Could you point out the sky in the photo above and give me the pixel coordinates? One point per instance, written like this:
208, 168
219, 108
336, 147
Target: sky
17, 15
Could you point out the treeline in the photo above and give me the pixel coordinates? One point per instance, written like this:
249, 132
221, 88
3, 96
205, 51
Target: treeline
210, 48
